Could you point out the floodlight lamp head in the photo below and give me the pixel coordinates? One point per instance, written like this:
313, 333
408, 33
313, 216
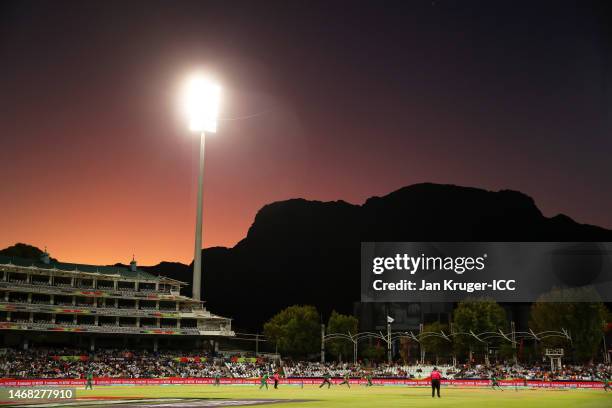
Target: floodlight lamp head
202, 99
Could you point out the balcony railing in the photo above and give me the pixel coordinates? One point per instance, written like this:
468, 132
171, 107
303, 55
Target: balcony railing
107, 327
122, 291
108, 310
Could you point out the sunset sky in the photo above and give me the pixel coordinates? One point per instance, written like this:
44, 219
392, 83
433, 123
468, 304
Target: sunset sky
322, 100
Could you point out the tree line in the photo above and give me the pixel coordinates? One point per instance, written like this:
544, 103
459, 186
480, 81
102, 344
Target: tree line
296, 332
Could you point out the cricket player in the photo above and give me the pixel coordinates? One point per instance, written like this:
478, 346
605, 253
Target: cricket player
217, 379
276, 378
368, 378
264, 381
606, 382
89, 378
346, 380
326, 380
494, 382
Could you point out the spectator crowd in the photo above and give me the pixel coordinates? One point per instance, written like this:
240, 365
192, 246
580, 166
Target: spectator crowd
112, 363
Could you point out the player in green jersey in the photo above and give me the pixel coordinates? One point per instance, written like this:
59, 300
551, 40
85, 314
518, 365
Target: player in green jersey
346, 380
89, 378
494, 382
326, 380
264, 381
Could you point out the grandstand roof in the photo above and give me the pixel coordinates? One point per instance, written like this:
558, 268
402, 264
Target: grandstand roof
122, 271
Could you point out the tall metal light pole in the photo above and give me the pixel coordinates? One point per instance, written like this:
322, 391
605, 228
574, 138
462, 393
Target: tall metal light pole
202, 103
197, 256
322, 343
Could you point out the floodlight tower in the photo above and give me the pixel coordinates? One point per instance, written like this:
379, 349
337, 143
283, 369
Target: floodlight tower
202, 105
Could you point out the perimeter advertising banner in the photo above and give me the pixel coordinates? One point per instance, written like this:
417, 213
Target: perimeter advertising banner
503, 271
5, 382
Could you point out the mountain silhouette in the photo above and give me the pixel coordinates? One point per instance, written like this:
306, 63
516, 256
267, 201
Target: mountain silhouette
308, 252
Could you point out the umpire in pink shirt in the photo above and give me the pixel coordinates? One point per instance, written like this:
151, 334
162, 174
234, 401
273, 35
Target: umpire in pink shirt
435, 382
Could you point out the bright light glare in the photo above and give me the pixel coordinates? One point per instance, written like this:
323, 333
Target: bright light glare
202, 104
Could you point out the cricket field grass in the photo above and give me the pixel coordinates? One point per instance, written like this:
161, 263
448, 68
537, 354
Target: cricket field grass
294, 396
